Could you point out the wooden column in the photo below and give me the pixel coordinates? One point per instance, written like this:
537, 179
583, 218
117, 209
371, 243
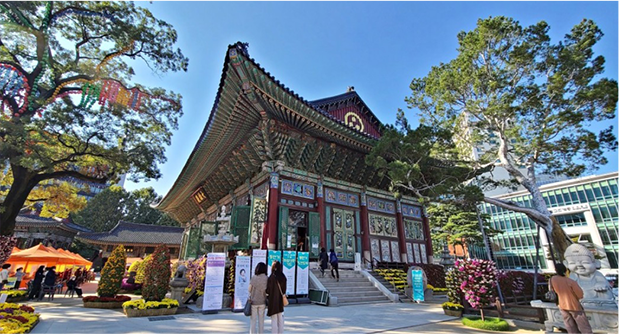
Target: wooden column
273, 211
322, 211
401, 233
365, 229
426, 233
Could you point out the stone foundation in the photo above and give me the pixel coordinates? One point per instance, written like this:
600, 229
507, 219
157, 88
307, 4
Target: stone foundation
601, 320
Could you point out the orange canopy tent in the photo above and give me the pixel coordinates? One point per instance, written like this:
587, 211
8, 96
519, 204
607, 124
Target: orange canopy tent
38, 255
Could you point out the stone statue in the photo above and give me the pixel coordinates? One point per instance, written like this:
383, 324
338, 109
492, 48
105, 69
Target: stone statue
180, 271
583, 269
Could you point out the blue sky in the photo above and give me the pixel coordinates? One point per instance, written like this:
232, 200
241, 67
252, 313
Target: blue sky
318, 49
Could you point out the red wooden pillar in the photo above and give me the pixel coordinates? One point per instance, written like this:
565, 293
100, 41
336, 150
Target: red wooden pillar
365, 229
401, 233
322, 212
426, 233
273, 212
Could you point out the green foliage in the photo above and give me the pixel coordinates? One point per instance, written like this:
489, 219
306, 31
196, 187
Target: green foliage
489, 324
114, 204
112, 273
141, 269
458, 225
157, 275
82, 248
62, 47
452, 282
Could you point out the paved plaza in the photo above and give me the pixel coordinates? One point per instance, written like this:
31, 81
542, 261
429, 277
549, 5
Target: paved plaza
66, 315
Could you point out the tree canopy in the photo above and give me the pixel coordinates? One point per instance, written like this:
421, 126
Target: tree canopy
114, 204
69, 106
527, 102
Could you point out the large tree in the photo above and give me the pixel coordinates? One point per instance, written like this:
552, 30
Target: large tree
69, 107
114, 204
528, 102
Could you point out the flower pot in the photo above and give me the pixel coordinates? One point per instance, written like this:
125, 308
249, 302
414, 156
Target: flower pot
453, 313
151, 312
103, 304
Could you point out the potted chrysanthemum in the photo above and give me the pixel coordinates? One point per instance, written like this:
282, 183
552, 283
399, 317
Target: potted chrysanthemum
452, 309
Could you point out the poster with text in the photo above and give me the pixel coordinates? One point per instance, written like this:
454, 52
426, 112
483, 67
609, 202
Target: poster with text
242, 266
214, 281
258, 255
417, 281
290, 265
274, 255
302, 273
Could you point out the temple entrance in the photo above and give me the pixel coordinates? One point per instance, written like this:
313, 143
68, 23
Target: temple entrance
299, 230
344, 234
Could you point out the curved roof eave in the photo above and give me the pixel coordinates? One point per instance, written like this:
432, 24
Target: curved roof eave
181, 190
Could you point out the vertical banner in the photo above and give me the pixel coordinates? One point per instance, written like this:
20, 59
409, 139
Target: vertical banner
274, 255
214, 281
258, 255
417, 281
302, 273
290, 265
241, 281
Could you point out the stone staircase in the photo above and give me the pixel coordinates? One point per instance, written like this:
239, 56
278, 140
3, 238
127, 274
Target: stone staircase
353, 288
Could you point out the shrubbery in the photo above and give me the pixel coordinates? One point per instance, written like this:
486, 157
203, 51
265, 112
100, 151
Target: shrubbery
157, 275
490, 324
113, 273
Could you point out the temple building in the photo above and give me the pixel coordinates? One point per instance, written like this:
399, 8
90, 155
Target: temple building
31, 230
291, 174
139, 240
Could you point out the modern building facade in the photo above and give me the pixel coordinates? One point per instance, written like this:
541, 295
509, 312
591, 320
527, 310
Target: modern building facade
586, 208
287, 170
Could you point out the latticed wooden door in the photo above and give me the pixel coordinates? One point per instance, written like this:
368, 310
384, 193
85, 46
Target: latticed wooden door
344, 234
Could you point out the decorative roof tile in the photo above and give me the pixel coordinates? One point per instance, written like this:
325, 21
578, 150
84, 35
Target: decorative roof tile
130, 233
33, 220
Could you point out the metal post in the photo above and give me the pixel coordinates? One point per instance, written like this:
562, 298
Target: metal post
487, 247
536, 264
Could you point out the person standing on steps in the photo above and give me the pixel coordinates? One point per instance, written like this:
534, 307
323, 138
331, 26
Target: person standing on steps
569, 293
334, 264
324, 260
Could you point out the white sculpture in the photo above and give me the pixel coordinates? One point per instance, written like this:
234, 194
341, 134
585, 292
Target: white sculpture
583, 269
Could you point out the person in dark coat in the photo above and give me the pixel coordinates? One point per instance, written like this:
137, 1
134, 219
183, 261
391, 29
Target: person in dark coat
35, 288
334, 264
276, 287
324, 260
49, 281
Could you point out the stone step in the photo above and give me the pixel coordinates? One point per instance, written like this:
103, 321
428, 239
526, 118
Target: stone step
360, 299
364, 302
360, 290
340, 294
353, 280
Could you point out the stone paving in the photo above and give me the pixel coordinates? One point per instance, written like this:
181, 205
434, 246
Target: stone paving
66, 315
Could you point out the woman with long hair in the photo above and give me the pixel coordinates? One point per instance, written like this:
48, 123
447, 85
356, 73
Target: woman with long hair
257, 297
276, 288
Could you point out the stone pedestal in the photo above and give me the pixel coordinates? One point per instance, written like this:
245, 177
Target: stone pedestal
177, 286
602, 320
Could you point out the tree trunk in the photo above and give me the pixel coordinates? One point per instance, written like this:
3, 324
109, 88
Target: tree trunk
560, 240
23, 183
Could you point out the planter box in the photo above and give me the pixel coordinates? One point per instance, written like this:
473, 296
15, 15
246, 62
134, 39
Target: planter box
103, 304
453, 313
17, 299
131, 312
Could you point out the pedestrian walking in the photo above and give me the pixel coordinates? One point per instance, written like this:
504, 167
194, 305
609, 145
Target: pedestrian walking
324, 260
257, 298
276, 289
19, 275
569, 293
334, 264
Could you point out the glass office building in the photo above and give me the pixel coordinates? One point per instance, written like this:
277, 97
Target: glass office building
587, 210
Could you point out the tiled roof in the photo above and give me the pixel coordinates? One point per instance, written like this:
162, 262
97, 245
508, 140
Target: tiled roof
33, 220
130, 233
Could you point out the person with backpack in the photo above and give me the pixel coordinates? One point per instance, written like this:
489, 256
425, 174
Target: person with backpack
334, 264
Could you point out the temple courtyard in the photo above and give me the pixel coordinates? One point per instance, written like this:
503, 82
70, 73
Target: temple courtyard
67, 315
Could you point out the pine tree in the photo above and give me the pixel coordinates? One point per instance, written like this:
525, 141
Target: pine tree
157, 275
112, 273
